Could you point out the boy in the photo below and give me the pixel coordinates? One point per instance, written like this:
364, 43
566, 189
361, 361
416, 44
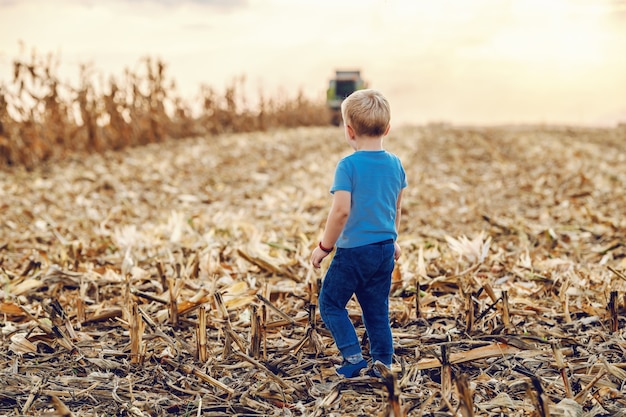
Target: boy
363, 222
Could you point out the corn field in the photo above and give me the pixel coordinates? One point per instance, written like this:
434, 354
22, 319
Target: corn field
148, 277
43, 119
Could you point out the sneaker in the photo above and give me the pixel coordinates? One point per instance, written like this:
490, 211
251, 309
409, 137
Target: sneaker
351, 370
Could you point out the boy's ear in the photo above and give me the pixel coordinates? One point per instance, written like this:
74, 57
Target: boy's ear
387, 130
351, 132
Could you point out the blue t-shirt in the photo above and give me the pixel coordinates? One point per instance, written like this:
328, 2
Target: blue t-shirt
374, 180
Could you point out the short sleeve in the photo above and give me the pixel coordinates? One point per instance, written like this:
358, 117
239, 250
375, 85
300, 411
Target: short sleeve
342, 180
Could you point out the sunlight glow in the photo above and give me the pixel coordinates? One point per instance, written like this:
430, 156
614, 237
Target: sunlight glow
434, 58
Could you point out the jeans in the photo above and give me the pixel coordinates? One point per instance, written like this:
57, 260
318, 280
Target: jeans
366, 272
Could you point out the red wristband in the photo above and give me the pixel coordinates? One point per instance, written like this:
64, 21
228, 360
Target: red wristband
325, 249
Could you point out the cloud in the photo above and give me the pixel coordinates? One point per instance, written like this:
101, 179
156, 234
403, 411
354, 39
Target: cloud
217, 4
223, 5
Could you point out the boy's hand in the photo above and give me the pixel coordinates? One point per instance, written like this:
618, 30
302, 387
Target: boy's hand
397, 252
317, 256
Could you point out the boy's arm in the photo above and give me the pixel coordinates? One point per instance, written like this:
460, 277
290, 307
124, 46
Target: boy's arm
398, 251
337, 218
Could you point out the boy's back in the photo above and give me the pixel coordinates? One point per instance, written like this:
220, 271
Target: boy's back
374, 180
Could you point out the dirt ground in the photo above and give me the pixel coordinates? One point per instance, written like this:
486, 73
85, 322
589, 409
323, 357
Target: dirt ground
173, 279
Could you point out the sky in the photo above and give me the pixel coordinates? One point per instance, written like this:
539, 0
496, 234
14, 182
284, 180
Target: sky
476, 62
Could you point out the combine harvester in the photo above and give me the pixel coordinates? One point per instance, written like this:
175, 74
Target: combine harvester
345, 83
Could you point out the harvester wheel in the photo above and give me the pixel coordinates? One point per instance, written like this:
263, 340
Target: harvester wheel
335, 118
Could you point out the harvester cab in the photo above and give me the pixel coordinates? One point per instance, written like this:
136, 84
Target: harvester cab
345, 83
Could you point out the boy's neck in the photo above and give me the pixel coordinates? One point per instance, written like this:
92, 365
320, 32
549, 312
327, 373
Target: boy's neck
368, 143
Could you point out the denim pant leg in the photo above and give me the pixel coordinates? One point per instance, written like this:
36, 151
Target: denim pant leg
366, 272
373, 296
337, 288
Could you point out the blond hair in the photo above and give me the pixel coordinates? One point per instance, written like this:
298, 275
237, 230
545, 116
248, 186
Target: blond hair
367, 112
